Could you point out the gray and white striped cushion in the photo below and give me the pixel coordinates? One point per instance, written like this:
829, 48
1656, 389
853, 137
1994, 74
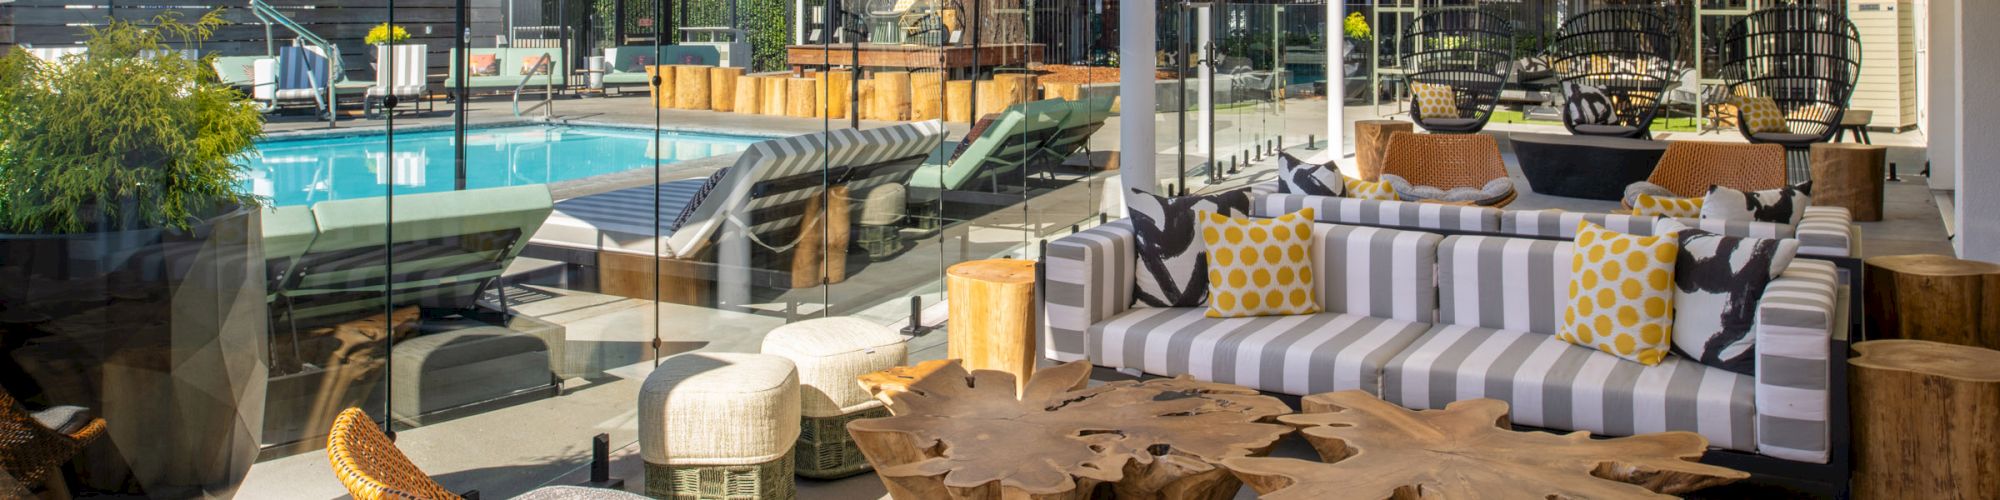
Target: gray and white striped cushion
1795, 325
1090, 276
1557, 385
1304, 354
1826, 231
403, 91
881, 144
1263, 188
1379, 272
1739, 228
1402, 214
619, 221
1503, 283
1561, 224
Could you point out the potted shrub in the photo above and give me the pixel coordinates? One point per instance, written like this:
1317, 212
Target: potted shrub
134, 267
384, 37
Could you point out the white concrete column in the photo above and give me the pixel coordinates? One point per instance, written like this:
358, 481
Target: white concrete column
1136, 93
1942, 126
1336, 79
1205, 97
1978, 162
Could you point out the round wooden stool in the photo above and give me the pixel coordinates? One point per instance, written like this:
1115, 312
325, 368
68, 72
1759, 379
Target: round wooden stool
1935, 298
1371, 144
1850, 175
1925, 417
992, 320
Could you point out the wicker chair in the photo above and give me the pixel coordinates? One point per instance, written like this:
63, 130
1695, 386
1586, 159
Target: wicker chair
1806, 59
1469, 49
1628, 56
371, 467
33, 445
1689, 168
1463, 169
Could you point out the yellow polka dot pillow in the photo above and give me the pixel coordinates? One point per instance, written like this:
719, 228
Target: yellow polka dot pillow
1621, 294
1365, 190
1434, 100
1760, 114
1647, 205
1259, 267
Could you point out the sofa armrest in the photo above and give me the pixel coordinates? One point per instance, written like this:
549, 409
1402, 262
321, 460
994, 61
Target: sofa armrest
1795, 325
1827, 232
1090, 278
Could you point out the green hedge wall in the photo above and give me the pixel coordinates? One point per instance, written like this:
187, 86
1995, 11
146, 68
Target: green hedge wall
768, 21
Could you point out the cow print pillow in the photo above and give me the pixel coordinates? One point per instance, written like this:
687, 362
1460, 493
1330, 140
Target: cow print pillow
1173, 262
1783, 206
1295, 176
1587, 105
1718, 281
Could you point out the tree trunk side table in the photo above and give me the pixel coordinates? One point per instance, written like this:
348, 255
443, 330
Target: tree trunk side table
1850, 175
1933, 297
1926, 415
960, 435
992, 320
1371, 144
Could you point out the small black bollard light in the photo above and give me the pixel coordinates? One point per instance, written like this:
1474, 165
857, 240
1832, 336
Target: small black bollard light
916, 317
600, 464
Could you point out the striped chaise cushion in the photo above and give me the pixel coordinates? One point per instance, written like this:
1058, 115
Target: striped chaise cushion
622, 220
1401, 214
1503, 283
1386, 273
1306, 354
872, 148
1796, 325
1823, 231
1553, 384
1089, 279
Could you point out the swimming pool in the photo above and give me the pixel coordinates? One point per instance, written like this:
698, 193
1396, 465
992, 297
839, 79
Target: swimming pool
304, 171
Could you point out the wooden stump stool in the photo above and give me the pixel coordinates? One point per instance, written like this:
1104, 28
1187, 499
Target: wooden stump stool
992, 320
691, 87
800, 98
1935, 298
987, 99
1850, 175
774, 96
749, 90
1371, 144
892, 95
927, 95
958, 101
722, 88
836, 96
661, 78
1925, 418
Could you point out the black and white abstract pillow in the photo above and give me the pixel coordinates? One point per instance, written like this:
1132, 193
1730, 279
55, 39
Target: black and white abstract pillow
1296, 176
1173, 262
1718, 281
1587, 105
1783, 205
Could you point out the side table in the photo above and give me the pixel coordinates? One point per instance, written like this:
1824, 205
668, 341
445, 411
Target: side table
1925, 417
992, 321
1933, 297
1371, 144
1850, 175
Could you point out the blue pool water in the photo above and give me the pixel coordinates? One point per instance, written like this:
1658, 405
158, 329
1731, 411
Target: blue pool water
305, 171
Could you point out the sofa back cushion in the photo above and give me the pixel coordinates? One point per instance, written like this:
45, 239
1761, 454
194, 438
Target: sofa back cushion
1503, 283
1400, 214
1561, 224
1385, 273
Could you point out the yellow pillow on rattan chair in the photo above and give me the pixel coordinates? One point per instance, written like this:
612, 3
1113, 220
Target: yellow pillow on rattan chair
1761, 115
1259, 267
1434, 100
1666, 206
1364, 190
1621, 294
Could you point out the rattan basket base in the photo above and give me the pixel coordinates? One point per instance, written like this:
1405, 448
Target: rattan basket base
825, 448
771, 480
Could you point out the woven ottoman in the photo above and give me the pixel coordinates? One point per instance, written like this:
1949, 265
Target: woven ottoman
882, 214
830, 354
720, 426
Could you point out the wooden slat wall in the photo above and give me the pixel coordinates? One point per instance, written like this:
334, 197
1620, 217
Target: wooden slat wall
345, 23
1888, 83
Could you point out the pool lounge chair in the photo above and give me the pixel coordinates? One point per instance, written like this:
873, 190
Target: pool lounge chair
1002, 151
1085, 117
242, 72
404, 78
302, 80
709, 234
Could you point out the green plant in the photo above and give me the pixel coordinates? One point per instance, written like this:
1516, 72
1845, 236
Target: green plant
131, 134
386, 34
1356, 26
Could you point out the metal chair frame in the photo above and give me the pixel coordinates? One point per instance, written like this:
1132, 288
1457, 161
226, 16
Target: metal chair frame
1470, 49
1617, 34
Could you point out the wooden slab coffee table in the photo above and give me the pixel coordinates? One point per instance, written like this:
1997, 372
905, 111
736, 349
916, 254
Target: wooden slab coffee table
964, 435
1374, 449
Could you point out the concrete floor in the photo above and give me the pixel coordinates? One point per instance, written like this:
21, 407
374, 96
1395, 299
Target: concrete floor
506, 451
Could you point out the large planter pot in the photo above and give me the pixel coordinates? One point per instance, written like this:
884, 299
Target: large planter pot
162, 333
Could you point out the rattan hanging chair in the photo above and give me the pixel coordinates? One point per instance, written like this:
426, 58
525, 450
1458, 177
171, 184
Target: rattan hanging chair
1460, 169
1806, 61
1615, 66
1689, 168
1462, 57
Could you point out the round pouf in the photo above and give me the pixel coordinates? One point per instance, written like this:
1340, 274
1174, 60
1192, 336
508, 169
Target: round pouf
720, 426
882, 214
832, 353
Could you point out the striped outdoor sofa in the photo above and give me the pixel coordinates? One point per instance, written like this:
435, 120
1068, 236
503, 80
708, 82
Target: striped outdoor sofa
1822, 232
1423, 320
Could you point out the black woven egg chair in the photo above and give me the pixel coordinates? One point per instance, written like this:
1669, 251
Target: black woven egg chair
1615, 65
1806, 59
1468, 49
